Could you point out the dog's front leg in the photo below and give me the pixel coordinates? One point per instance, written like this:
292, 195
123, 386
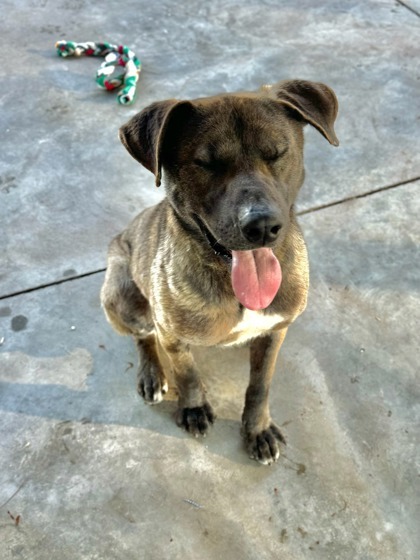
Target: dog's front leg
152, 384
262, 436
194, 412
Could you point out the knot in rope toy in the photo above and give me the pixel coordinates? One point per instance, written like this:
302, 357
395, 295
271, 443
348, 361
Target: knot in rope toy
121, 67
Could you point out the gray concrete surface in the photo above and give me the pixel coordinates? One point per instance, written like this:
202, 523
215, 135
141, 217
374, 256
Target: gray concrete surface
413, 5
92, 471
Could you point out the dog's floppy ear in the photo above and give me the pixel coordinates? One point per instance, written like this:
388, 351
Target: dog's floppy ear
143, 135
315, 103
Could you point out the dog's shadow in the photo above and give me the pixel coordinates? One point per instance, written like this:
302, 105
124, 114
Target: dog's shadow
223, 438
76, 389
225, 392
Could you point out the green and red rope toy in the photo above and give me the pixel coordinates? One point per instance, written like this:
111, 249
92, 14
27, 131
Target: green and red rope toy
121, 67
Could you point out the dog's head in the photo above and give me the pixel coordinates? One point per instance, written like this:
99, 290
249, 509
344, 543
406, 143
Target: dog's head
232, 164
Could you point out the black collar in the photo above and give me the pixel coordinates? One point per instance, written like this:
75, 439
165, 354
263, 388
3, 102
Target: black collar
218, 249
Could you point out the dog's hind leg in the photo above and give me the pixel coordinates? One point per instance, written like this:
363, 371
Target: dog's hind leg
126, 308
128, 311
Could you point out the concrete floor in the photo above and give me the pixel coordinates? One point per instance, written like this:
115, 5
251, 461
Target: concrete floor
92, 472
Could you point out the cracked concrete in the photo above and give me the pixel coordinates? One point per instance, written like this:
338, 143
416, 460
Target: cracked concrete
92, 472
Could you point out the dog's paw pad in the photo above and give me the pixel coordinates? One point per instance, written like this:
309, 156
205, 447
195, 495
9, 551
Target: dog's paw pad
196, 420
265, 446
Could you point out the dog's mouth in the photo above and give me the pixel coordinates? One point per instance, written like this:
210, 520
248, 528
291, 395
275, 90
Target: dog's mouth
255, 274
217, 247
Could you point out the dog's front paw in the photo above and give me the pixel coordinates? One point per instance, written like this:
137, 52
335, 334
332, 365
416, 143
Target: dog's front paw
152, 386
265, 446
196, 420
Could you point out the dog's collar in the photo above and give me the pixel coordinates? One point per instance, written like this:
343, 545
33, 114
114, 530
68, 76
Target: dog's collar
219, 249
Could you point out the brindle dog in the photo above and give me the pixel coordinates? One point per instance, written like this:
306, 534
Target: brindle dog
221, 260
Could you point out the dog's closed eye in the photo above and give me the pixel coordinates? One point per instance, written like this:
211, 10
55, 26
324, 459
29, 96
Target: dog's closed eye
271, 156
202, 163
212, 165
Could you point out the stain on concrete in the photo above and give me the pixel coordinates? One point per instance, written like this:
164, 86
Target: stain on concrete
7, 183
51, 29
284, 537
5, 311
69, 371
122, 507
69, 272
19, 323
301, 468
17, 551
302, 532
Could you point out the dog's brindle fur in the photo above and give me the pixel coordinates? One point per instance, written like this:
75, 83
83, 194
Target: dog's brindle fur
168, 279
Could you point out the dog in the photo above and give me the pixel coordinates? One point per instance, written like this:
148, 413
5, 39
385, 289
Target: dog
221, 260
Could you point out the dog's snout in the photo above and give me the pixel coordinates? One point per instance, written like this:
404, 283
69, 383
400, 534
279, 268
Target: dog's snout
262, 227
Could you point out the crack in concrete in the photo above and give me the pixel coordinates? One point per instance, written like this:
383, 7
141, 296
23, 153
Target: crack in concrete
302, 213
358, 196
53, 283
409, 8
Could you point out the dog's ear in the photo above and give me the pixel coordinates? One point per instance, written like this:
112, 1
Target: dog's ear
314, 102
143, 135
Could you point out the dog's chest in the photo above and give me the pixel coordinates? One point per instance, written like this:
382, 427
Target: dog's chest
252, 325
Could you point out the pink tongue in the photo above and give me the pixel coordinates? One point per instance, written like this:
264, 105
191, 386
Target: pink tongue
256, 277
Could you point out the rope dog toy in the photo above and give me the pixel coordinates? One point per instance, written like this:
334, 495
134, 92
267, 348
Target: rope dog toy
121, 67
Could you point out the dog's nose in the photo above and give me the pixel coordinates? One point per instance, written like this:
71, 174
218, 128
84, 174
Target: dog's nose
260, 227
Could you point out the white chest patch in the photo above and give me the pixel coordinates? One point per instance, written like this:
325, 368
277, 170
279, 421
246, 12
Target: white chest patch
253, 324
